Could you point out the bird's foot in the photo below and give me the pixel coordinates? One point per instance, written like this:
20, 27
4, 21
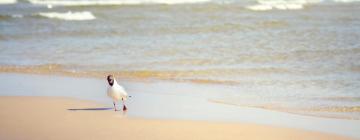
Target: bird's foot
124, 108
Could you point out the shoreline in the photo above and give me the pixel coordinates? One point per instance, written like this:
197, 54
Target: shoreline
51, 118
58, 71
168, 101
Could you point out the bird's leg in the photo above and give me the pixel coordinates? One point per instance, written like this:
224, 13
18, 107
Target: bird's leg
124, 108
115, 106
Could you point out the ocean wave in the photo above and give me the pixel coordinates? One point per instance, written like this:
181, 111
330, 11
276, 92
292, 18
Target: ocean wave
111, 2
3, 2
264, 5
261, 7
86, 15
346, 1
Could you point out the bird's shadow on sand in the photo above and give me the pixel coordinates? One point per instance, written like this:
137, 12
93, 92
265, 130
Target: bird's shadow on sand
90, 109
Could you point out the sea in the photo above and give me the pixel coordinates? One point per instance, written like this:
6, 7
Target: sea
296, 56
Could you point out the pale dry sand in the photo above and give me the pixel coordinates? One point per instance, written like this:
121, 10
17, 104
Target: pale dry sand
49, 118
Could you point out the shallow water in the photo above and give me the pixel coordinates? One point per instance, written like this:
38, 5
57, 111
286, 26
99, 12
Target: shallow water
167, 100
293, 56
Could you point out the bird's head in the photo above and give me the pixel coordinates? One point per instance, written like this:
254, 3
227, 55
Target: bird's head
110, 79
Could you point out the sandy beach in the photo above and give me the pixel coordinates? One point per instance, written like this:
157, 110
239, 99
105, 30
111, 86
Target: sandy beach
24, 117
195, 69
59, 107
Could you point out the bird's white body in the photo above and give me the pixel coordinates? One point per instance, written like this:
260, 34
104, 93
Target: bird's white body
117, 92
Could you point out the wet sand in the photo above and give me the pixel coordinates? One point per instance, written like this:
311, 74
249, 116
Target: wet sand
25, 117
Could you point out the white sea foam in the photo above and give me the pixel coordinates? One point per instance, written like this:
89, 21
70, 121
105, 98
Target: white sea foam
111, 2
259, 7
7, 2
264, 5
86, 15
346, 1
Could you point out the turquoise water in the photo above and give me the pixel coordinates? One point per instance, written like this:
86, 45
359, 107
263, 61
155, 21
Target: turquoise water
293, 56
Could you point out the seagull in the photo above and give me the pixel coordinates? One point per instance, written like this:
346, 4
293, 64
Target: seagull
116, 92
